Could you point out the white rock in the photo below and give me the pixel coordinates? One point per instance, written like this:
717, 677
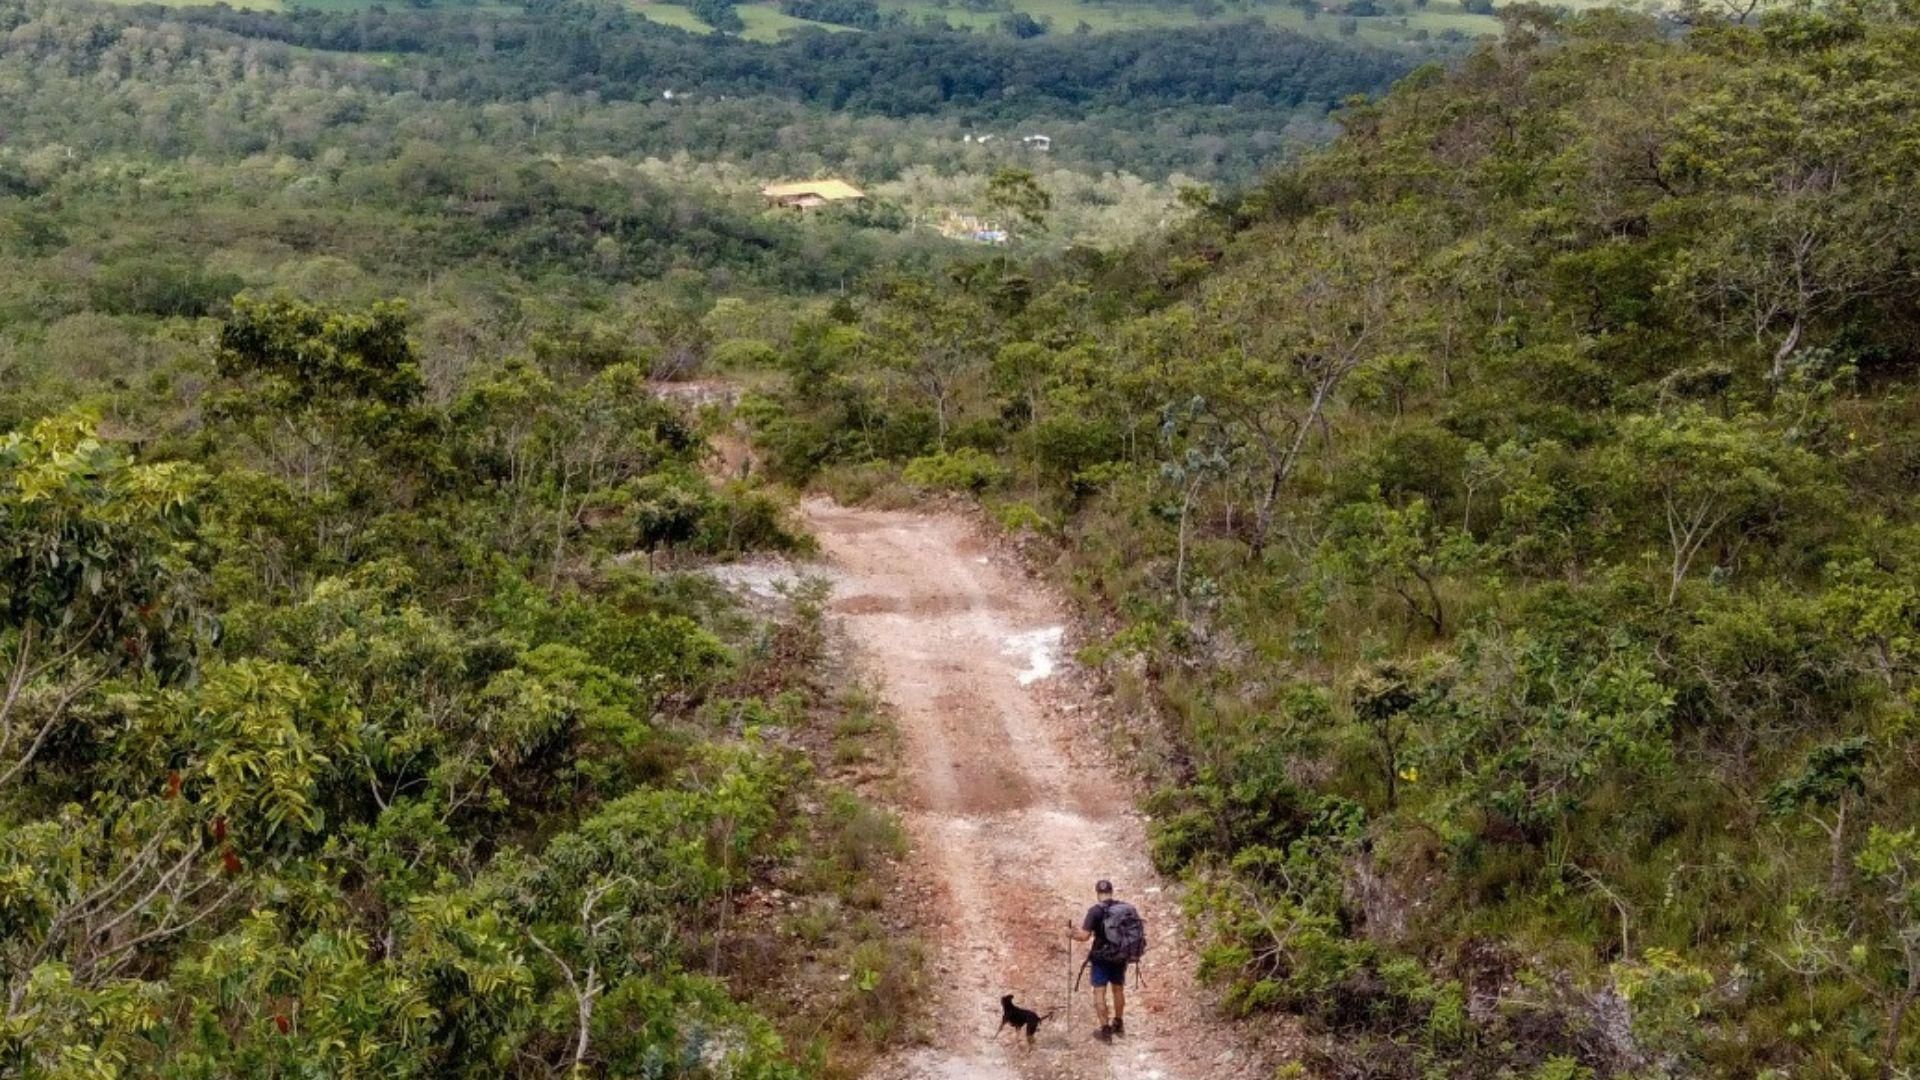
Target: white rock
1039, 648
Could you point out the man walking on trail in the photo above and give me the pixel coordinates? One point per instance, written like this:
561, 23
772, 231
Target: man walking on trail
1119, 938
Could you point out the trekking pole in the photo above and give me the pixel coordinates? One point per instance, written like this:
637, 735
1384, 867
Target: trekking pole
1070, 985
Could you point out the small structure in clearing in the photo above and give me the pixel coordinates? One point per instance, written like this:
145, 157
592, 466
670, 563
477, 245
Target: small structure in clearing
810, 194
969, 227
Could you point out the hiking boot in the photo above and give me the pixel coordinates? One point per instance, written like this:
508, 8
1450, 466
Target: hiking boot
1105, 1033
1119, 1027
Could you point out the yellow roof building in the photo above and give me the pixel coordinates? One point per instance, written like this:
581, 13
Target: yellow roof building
811, 192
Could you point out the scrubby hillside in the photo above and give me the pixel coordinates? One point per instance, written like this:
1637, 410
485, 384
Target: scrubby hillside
348, 733
1506, 521
363, 712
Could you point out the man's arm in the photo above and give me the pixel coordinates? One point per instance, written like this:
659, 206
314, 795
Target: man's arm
1082, 930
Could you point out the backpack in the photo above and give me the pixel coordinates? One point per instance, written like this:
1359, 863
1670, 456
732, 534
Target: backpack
1125, 934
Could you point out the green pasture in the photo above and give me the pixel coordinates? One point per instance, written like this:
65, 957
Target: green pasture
243, 5
765, 21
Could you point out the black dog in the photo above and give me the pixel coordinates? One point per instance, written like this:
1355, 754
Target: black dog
1019, 1019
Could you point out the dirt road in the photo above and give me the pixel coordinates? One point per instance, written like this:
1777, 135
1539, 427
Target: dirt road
1014, 811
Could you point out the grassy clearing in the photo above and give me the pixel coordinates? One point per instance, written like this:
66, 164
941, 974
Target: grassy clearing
765, 21
1064, 14
1067, 15
674, 15
243, 5
291, 5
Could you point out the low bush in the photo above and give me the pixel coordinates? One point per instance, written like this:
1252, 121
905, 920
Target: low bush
965, 470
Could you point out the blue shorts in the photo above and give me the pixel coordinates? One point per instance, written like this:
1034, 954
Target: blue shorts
1105, 974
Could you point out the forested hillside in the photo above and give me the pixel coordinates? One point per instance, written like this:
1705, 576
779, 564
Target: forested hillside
363, 710
589, 79
583, 47
1497, 527
335, 745
519, 176
1504, 528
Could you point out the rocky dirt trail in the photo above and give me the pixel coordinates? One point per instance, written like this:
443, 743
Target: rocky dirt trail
1013, 808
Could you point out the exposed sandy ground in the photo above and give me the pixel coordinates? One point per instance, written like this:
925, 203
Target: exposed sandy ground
1013, 808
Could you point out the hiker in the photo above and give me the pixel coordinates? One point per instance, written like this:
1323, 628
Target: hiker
1119, 938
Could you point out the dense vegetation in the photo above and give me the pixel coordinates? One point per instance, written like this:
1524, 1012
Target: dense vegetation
335, 744
1506, 523
155, 163
859, 14
1504, 520
1387, 23
578, 47
357, 714
1137, 86
354, 718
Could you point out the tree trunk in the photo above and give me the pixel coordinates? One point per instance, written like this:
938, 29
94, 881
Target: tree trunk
1896, 1019
1785, 351
1390, 751
1263, 516
559, 533
585, 1008
1438, 616
1180, 560
1282, 468
1837, 865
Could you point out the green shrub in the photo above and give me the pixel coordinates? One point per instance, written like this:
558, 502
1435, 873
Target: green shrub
1023, 517
744, 354
1561, 1068
863, 836
1667, 994
965, 469
874, 483
744, 518
1066, 444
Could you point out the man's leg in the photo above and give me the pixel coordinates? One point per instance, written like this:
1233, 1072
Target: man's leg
1119, 1003
1100, 985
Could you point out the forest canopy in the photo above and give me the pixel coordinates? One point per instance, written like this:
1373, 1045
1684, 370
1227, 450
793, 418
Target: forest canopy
584, 47
1497, 526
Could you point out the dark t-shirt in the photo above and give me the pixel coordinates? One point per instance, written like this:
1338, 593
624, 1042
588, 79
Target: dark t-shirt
1096, 924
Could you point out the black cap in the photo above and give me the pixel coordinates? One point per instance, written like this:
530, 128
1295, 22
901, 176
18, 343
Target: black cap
1103, 886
